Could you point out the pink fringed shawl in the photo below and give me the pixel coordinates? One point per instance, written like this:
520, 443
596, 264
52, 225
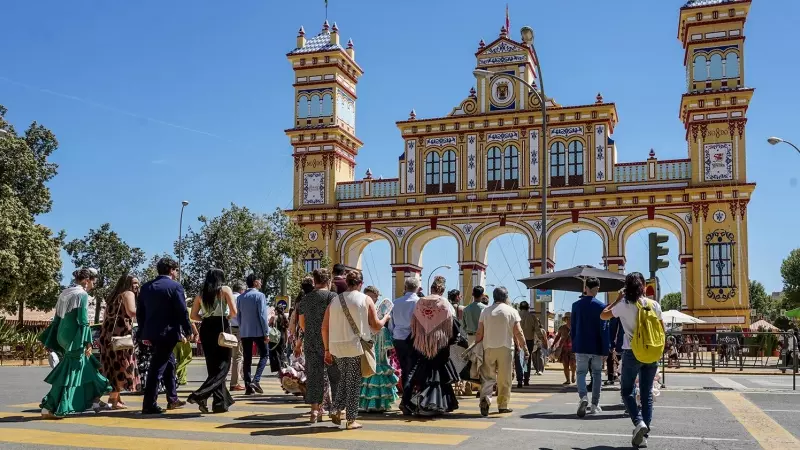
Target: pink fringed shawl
431, 325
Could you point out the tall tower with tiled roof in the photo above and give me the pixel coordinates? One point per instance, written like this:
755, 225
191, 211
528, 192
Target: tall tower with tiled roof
714, 108
324, 131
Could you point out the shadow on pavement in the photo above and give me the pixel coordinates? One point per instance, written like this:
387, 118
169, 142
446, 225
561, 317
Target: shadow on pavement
547, 415
22, 419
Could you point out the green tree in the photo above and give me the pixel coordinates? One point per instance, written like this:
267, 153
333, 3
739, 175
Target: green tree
149, 272
790, 271
30, 257
671, 301
239, 242
762, 303
105, 251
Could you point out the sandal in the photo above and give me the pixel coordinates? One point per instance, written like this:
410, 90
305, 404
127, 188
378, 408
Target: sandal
118, 406
336, 418
201, 404
353, 425
48, 415
314, 416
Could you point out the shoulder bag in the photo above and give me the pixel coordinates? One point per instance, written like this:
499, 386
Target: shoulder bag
121, 342
368, 366
224, 339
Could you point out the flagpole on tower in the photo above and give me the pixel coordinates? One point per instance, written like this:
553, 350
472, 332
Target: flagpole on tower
326, 10
508, 20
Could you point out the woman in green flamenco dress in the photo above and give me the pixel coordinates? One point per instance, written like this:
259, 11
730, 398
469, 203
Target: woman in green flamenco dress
379, 391
76, 382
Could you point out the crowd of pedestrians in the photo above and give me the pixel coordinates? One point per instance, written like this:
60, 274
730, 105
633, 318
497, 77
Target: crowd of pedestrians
343, 347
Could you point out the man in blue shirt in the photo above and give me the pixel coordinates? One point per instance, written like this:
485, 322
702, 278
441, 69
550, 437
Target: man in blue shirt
590, 343
253, 329
400, 325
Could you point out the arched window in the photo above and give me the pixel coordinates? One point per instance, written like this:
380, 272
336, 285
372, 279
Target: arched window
575, 163
327, 105
302, 107
715, 68
558, 164
511, 168
732, 65
449, 172
314, 111
700, 70
432, 173
494, 169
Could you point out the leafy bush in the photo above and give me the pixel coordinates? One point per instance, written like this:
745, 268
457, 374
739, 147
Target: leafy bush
30, 348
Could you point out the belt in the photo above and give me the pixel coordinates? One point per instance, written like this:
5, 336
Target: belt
471, 334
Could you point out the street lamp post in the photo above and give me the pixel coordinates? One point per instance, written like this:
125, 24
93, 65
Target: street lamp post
180, 241
776, 140
527, 37
446, 266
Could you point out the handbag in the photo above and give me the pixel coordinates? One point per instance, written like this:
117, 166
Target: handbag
368, 364
119, 343
224, 339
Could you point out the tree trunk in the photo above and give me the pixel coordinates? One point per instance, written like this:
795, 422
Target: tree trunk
21, 313
96, 310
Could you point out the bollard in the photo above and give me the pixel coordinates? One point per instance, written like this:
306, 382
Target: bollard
694, 359
741, 359
713, 361
794, 373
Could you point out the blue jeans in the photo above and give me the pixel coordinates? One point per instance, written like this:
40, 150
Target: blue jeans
584, 362
263, 357
631, 368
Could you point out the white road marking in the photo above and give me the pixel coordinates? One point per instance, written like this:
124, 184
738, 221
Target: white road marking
728, 383
581, 433
770, 383
657, 406
782, 410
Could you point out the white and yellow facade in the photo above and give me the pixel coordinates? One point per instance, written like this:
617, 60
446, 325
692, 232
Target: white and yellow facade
475, 173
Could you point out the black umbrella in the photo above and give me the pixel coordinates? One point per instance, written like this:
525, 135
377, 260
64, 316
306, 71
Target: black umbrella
573, 280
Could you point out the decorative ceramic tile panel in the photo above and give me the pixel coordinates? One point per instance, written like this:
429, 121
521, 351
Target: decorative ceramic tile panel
533, 145
411, 169
314, 188
502, 137
600, 153
566, 132
718, 161
440, 141
472, 161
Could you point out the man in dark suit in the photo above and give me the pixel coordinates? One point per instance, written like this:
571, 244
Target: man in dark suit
163, 321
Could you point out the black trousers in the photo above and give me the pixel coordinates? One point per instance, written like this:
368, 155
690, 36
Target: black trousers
610, 367
404, 351
162, 367
218, 363
263, 355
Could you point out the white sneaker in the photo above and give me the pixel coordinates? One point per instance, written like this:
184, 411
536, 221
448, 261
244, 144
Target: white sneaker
638, 434
582, 406
595, 409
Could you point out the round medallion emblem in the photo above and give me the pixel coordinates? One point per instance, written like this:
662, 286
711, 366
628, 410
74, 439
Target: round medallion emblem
312, 236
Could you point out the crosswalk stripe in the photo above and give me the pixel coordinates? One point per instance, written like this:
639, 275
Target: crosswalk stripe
42, 437
728, 383
247, 428
769, 433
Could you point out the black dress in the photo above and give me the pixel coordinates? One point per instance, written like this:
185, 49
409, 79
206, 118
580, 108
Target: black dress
429, 389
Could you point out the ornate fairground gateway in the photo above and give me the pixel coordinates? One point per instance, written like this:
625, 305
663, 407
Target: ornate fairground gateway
475, 173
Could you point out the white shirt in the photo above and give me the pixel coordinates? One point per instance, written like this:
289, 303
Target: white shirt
628, 313
499, 321
341, 340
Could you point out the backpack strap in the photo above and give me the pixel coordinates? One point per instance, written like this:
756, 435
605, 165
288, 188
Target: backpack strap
349, 317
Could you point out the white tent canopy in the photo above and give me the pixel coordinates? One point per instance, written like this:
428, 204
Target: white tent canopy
676, 317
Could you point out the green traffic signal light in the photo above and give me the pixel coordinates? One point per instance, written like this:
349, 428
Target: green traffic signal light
657, 251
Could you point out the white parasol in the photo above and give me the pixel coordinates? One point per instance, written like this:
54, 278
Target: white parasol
676, 317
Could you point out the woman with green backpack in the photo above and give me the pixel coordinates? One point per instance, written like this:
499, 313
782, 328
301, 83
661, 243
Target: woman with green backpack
642, 347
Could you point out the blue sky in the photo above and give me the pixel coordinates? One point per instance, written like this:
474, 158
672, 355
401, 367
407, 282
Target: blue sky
155, 102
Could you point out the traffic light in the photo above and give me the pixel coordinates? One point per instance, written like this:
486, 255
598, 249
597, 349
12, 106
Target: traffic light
656, 252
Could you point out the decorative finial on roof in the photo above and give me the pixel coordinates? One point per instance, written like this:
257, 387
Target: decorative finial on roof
503, 31
335, 28
412, 115
472, 92
350, 43
481, 45
652, 153
599, 98
369, 174
302, 32
325, 25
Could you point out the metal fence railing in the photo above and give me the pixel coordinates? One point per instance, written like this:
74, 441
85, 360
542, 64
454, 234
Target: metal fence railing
767, 351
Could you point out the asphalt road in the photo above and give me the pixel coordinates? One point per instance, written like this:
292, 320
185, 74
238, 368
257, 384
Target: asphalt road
695, 412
